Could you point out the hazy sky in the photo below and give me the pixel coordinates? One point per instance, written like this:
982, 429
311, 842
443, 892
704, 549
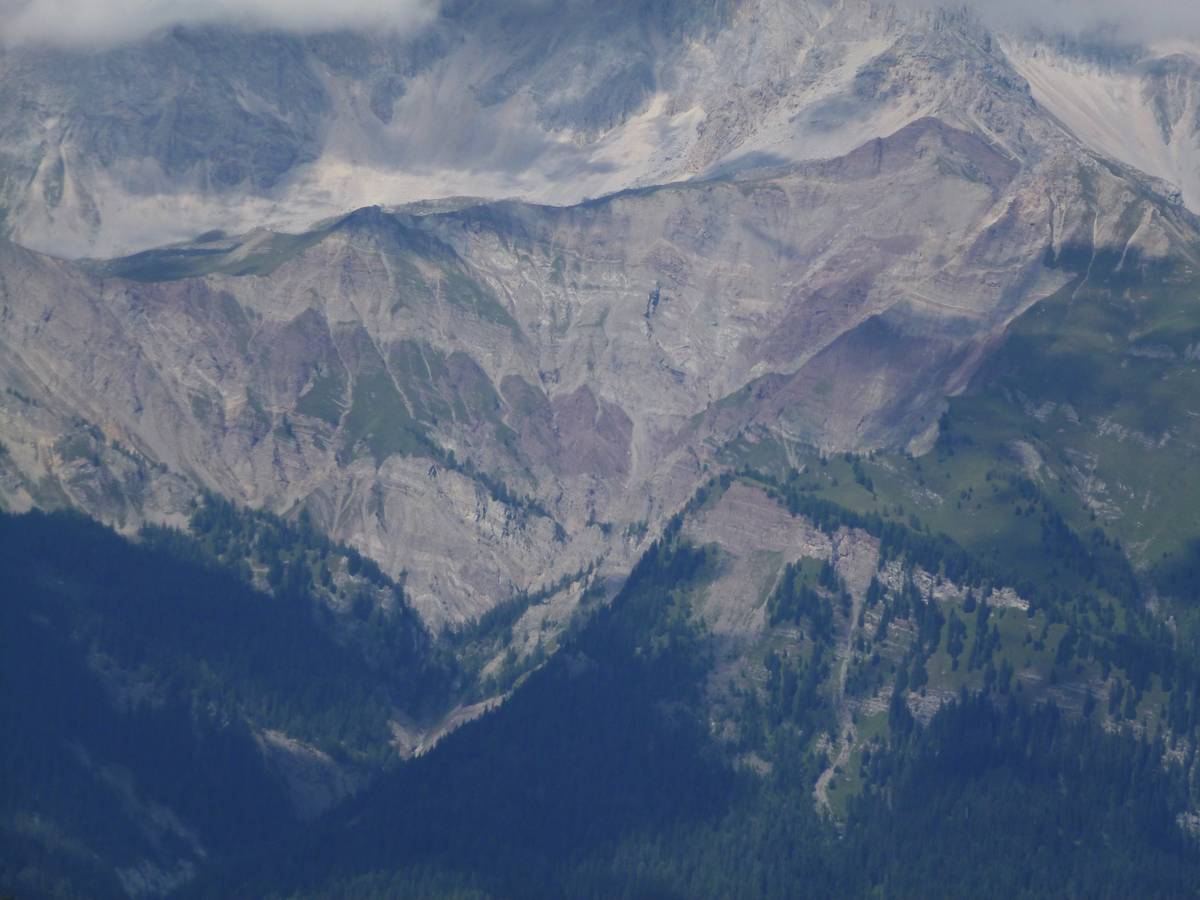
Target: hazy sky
99, 22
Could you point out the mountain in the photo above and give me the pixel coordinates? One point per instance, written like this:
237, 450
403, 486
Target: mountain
772, 659
503, 393
661, 449
128, 147
1150, 91
160, 711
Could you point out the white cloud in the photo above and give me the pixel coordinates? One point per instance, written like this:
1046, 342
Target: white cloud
106, 22
1116, 20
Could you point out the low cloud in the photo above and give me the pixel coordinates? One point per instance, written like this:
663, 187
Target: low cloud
1114, 20
91, 23
106, 22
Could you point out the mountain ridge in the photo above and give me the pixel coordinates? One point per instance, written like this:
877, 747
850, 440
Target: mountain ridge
346, 120
474, 278
784, 426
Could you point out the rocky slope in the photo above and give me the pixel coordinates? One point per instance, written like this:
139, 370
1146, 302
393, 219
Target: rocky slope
496, 396
1137, 105
866, 379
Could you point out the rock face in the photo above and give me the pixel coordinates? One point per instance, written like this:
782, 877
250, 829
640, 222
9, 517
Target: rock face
497, 396
1135, 105
491, 396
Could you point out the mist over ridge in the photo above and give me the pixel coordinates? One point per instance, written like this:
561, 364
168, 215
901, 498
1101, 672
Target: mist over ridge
92, 24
